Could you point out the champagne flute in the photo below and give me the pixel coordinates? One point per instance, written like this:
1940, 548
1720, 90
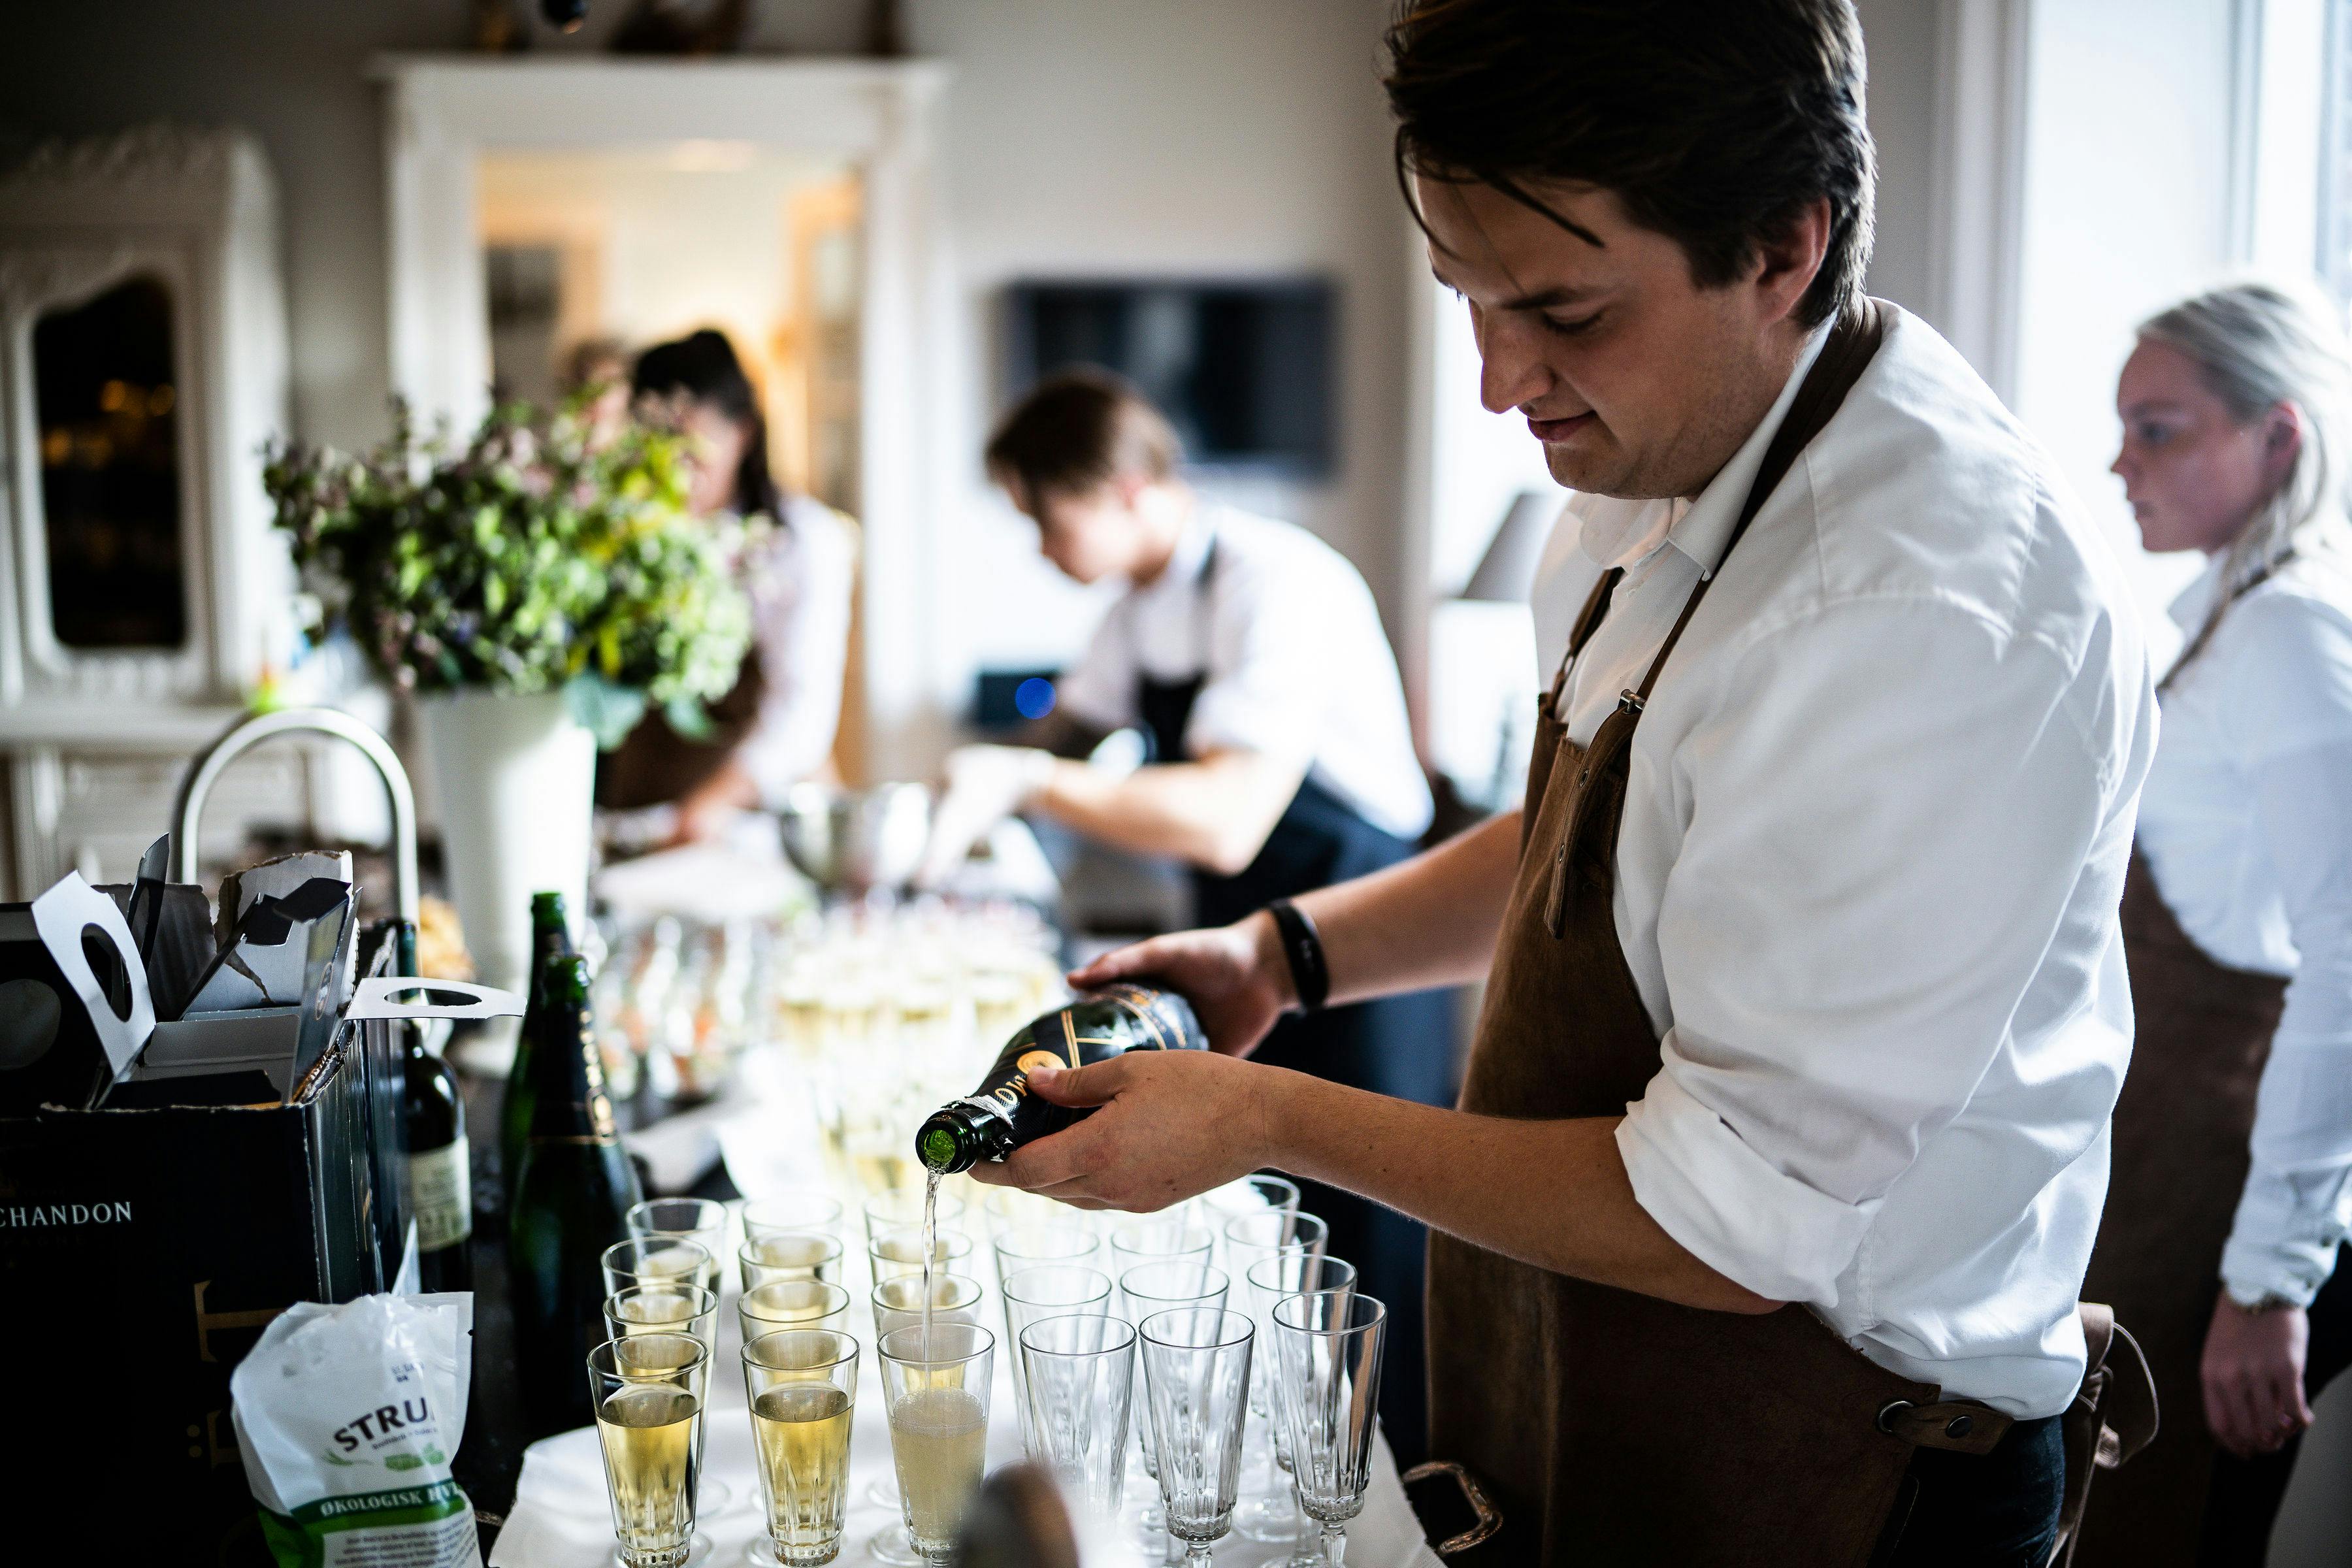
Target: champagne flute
935, 1388
1272, 1279
802, 1385
649, 1392
1190, 1282
1250, 1194
1035, 1245
702, 1221
1196, 1364
1048, 1291
1009, 1208
783, 1304
664, 1308
902, 1209
790, 1255
896, 1252
1328, 1350
1079, 1370
656, 1260
799, 1209
897, 1303
1249, 1238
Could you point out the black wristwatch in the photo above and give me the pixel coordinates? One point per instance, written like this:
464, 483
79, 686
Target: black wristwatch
1302, 945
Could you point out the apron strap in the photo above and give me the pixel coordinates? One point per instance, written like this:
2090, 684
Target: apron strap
1587, 621
2114, 1415
2213, 621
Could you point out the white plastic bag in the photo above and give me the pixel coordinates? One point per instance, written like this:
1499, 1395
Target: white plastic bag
348, 1419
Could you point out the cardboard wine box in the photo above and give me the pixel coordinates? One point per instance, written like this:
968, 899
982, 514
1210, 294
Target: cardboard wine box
145, 1245
140, 1252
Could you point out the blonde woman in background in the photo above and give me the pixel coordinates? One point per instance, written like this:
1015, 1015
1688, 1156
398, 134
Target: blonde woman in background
2234, 1135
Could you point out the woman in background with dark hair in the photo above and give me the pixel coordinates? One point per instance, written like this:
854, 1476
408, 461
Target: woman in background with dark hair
776, 727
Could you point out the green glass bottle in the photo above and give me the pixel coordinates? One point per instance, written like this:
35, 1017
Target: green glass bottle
551, 933
572, 1202
1002, 1114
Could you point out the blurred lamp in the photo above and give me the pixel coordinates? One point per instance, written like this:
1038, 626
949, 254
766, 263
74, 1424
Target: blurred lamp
1506, 573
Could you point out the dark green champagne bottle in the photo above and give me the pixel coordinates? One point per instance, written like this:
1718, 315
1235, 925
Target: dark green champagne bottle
572, 1202
440, 1176
549, 934
1002, 1114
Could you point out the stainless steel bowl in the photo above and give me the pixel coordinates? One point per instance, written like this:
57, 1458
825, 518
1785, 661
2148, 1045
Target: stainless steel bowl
854, 841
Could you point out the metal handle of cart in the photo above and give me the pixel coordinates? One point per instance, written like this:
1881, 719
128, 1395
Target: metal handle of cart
205, 771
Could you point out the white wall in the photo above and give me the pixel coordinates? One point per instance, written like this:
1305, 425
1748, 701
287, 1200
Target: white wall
1900, 38
2126, 209
1174, 137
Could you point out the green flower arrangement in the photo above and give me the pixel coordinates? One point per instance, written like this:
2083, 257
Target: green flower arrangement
540, 557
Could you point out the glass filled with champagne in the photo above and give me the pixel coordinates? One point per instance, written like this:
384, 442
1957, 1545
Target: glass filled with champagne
790, 1255
667, 1308
783, 1304
935, 1385
802, 1385
658, 1260
701, 1221
896, 1252
898, 1302
647, 1390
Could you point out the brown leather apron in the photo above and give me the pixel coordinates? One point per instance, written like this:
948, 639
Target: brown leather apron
2181, 1131
656, 765
1614, 1426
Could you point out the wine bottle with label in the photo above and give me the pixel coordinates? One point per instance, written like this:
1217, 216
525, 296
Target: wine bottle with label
551, 933
1002, 1114
440, 1180
571, 1200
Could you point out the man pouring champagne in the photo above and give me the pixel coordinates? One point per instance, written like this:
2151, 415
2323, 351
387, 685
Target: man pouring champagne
1786, 1122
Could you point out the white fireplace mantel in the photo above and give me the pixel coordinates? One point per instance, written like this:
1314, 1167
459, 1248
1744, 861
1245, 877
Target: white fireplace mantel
443, 110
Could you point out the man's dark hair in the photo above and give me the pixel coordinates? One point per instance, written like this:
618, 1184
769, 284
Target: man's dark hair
1080, 429
1715, 121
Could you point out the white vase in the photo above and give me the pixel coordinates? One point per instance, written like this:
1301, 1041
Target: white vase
517, 779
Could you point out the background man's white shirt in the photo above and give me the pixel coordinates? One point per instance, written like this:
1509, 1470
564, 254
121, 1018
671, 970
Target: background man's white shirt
1881, 808
1297, 666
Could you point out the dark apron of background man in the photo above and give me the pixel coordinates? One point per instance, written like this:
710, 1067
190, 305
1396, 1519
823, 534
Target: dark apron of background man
1400, 1046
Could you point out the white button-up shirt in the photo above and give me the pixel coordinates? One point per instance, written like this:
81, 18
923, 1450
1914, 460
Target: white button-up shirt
1881, 807
2247, 826
1288, 640
801, 585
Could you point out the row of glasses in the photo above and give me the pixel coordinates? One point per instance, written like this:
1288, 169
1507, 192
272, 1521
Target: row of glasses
1289, 1247
1197, 1364
650, 1393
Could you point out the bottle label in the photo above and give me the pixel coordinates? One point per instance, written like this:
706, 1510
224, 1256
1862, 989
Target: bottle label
440, 1194
1097, 1026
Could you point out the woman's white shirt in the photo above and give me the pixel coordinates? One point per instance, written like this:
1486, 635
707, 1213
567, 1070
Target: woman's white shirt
2247, 827
1878, 820
800, 581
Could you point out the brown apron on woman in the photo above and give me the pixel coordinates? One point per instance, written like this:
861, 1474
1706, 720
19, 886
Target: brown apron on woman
1614, 1426
656, 765
2203, 1032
